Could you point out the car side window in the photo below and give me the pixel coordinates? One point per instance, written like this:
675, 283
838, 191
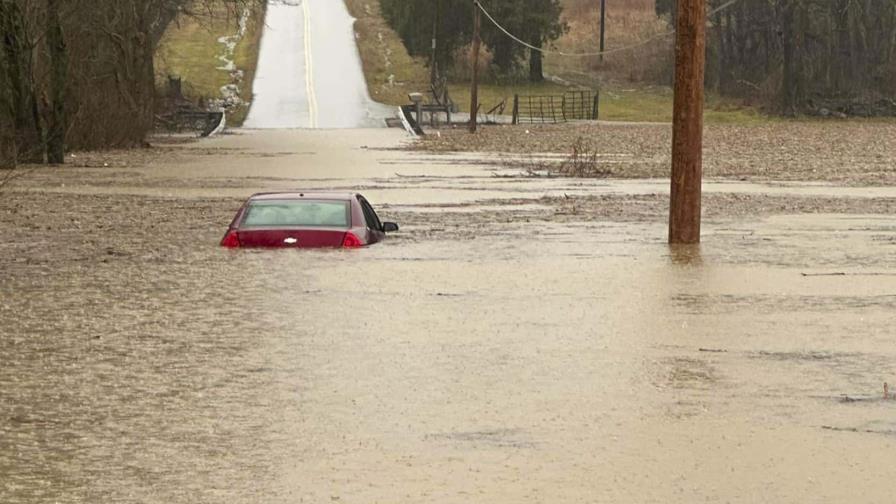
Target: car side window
373, 222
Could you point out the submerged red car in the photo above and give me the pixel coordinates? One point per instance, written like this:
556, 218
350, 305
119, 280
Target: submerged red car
306, 220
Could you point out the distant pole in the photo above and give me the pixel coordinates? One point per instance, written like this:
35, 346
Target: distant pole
434, 64
474, 91
603, 25
687, 123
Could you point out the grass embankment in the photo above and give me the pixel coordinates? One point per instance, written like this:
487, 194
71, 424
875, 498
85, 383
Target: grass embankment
625, 77
191, 50
647, 104
391, 73
654, 104
622, 77
630, 23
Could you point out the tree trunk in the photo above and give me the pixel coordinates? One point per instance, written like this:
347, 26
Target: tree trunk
474, 89
7, 107
790, 77
503, 55
156, 28
536, 68
21, 101
146, 49
721, 70
58, 72
844, 44
8, 154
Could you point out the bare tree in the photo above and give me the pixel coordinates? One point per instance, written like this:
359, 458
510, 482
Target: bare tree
58, 61
804, 55
79, 73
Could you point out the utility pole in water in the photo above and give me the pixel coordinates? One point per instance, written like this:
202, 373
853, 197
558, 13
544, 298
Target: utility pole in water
603, 24
474, 91
687, 123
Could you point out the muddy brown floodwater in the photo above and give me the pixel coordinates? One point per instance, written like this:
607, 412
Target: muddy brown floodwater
520, 340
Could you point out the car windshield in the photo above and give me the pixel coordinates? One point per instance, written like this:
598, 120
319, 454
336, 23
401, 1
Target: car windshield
297, 213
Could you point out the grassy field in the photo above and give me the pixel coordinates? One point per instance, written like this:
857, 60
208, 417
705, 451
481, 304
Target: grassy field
636, 104
391, 73
492, 94
629, 23
622, 78
190, 50
655, 105
625, 78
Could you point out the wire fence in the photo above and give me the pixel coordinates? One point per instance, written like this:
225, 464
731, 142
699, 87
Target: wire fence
581, 105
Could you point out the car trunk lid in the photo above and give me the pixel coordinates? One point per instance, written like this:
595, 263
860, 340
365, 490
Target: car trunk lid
292, 238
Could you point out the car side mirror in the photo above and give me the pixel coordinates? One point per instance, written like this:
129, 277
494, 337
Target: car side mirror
390, 227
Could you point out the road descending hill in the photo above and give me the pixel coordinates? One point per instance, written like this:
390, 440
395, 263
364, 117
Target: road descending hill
309, 72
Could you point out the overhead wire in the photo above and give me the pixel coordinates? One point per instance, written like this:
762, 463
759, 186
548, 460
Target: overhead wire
598, 53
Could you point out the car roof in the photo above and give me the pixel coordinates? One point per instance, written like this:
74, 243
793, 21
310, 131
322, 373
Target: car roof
300, 195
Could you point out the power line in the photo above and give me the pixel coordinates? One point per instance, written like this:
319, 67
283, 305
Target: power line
599, 53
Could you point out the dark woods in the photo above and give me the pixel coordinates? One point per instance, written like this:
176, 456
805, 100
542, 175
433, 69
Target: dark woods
824, 57
418, 22
79, 74
805, 56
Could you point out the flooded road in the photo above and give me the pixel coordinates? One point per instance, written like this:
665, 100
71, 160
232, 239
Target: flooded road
504, 349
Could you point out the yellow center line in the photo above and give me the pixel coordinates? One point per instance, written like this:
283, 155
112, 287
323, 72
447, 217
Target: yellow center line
309, 67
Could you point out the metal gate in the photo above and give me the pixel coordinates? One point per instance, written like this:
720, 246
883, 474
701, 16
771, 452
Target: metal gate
570, 106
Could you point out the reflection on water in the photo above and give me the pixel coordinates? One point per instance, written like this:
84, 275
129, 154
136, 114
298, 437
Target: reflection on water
685, 255
148, 365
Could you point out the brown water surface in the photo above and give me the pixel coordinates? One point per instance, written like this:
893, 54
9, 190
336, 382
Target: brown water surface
507, 361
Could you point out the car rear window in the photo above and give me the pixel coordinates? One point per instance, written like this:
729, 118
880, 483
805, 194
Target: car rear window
297, 213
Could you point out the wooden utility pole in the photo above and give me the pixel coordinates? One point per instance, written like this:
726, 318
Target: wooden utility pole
434, 64
603, 24
687, 122
474, 91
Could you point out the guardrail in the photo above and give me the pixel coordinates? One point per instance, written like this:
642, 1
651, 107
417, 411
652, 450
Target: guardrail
406, 114
205, 123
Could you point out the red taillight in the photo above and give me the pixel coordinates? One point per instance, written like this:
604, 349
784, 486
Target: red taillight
231, 240
351, 241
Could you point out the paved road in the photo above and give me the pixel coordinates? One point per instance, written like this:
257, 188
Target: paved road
309, 71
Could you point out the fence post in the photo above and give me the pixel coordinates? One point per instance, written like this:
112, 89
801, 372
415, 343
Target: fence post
516, 109
595, 109
474, 90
